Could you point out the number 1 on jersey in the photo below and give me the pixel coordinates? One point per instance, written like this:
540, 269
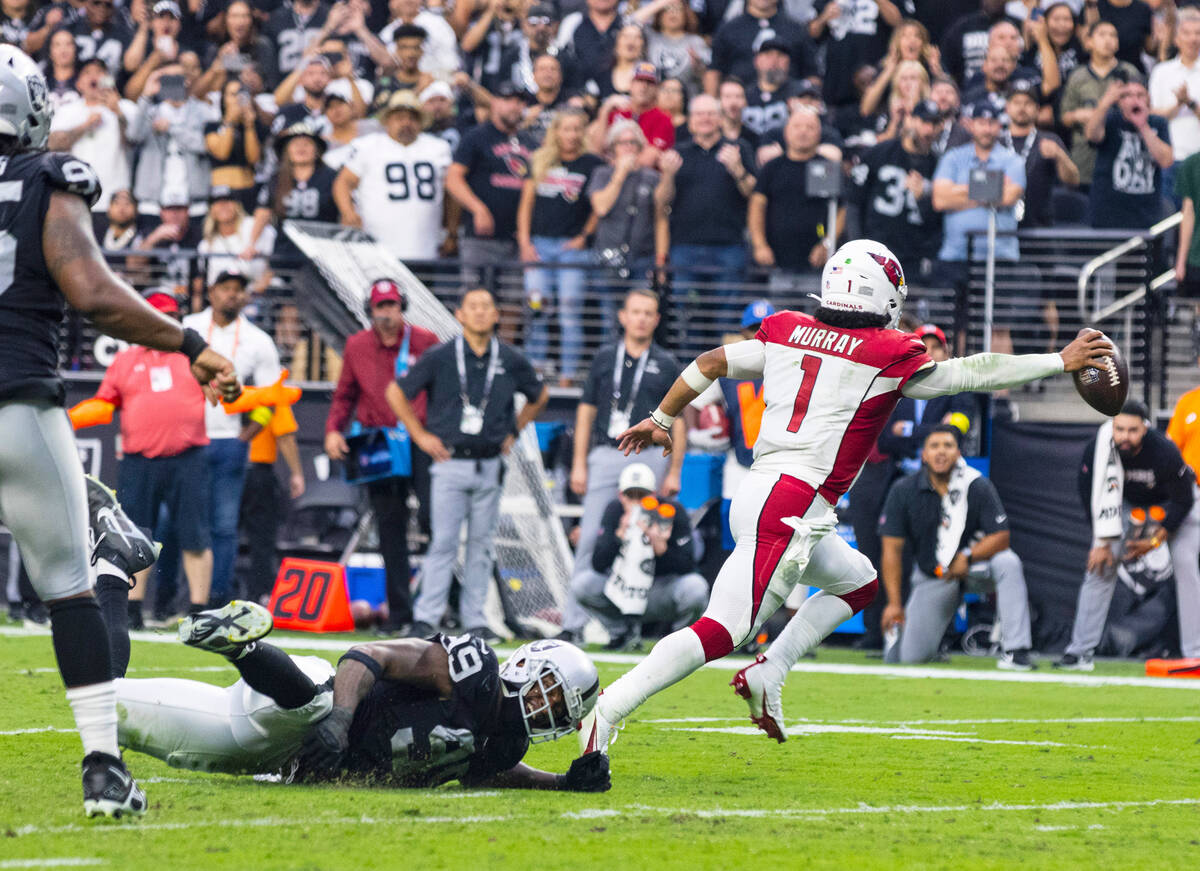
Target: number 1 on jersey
811, 366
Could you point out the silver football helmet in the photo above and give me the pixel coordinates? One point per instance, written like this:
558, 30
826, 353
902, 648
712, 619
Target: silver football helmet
24, 101
557, 686
864, 276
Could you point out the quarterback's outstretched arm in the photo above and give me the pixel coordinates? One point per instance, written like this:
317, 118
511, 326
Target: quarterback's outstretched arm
984, 372
737, 360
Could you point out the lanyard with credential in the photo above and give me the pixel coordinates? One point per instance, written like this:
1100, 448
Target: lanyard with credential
618, 362
237, 333
402, 355
493, 363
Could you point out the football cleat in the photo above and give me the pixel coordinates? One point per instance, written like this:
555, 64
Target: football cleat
117, 538
226, 630
1075, 662
108, 788
765, 699
1015, 660
596, 732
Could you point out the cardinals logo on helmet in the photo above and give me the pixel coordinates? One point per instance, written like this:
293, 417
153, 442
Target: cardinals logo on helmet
891, 269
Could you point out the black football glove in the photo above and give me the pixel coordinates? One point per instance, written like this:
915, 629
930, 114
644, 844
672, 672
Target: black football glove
325, 745
588, 773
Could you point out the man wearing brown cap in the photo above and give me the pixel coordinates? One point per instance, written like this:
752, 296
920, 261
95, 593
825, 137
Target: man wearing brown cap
401, 203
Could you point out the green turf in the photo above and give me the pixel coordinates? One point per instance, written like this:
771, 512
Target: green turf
847, 794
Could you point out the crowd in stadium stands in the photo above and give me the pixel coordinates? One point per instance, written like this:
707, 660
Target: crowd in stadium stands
597, 142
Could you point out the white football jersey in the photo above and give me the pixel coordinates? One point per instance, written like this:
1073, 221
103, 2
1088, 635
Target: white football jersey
400, 191
828, 393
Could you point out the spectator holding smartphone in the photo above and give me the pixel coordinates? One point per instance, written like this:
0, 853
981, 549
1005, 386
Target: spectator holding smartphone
93, 129
234, 143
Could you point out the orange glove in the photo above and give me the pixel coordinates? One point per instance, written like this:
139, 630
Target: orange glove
257, 397
91, 412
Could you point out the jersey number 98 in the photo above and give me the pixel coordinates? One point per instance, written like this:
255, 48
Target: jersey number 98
423, 178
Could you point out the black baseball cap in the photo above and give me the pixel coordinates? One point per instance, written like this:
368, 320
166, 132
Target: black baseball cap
983, 109
1028, 87
774, 45
927, 110
510, 90
803, 88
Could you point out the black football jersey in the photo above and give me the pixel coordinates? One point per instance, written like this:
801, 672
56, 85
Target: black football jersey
310, 200
31, 305
409, 737
890, 212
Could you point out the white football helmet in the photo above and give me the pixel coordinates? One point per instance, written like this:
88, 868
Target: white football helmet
24, 101
550, 665
864, 276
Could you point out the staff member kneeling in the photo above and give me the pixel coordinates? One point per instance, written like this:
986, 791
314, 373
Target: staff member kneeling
959, 533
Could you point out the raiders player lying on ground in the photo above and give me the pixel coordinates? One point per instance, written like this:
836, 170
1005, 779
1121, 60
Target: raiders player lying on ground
409, 712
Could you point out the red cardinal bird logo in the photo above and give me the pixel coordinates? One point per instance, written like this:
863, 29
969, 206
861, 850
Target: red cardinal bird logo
891, 269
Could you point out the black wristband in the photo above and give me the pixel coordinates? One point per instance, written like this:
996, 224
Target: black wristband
368, 662
193, 344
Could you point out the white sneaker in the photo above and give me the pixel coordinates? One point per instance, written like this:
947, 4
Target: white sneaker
226, 630
596, 732
764, 697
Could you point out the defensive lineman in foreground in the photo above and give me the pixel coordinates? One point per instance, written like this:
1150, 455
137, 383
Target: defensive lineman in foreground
829, 383
48, 253
410, 712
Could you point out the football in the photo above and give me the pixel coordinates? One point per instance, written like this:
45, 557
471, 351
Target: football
1104, 389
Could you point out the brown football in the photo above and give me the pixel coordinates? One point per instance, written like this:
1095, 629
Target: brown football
1104, 389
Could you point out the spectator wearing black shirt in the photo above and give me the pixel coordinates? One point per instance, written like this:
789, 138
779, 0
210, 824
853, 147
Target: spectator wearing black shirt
101, 33
1133, 147
998, 72
240, 46
732, 97
62, 67
965, 43
586, 40
313, 76
492, 43
893, 187
1054, 50
408, 49
1046, 158
1133, 20
174, 233
155, 43
706, 183
485, 178
49, 19
292, 27
766, 99
677, 594
786, 224
548, 96
554, 219
854, 32
471, 383
1147, 470
235, 143
737, 41
302, 188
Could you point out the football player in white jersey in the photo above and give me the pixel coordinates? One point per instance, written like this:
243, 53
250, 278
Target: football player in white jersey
398, 180
829, 383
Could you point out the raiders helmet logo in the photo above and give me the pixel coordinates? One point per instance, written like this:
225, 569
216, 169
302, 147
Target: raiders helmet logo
37, 94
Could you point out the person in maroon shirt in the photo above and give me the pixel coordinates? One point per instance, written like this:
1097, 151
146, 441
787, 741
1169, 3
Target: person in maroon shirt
641, 106
369, 363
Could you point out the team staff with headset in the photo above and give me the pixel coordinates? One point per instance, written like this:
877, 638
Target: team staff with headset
471, 384
625, 382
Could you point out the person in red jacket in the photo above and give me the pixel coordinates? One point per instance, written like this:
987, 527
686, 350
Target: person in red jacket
373, 358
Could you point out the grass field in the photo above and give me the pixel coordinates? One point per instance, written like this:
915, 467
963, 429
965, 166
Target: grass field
956, 766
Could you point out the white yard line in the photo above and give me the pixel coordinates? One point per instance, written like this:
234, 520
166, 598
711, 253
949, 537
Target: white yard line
991, 721
64, 862
899, 733
266, 822
35, 730
733, 663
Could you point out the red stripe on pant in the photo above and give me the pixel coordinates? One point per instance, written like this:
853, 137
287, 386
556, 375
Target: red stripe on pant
862, 597
790, 497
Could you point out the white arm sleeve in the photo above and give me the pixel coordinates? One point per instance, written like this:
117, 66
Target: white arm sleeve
745, 359
982, 372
